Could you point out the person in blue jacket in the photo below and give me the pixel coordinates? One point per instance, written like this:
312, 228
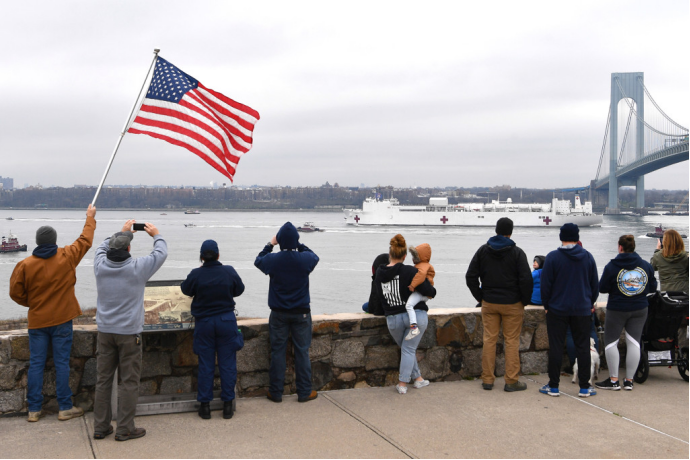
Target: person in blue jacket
538, 265
214, 287
288, 298
569, 289
627, 279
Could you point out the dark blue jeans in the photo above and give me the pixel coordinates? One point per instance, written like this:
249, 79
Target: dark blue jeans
61, 338
299, 327
217, 335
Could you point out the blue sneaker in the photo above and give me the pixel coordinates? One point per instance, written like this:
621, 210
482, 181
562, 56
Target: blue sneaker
547, 390
587, 392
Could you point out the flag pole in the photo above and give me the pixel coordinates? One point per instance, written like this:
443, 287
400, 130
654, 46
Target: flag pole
124, 129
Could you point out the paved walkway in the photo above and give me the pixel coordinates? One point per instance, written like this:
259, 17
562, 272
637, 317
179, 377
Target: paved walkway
443, 420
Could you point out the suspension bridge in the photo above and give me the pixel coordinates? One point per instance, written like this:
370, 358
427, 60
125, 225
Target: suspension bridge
648, 141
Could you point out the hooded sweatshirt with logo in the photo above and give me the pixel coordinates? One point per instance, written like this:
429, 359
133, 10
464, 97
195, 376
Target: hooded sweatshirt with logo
391, 284
45, 281
504, 273
569, 281
627, 279
673, 270
120, 285
289, 270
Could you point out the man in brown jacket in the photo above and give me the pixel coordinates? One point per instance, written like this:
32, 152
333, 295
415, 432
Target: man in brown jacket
44, 282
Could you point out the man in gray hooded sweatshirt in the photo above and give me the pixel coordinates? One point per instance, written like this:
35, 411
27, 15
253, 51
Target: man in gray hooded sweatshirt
120, 281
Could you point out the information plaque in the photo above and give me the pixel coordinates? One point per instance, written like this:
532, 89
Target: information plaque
166, 307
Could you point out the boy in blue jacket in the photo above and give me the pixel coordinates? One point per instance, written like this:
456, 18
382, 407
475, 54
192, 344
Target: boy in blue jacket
569, 289
627, 279
288, 298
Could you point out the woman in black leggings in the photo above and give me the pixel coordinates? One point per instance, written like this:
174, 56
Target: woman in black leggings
627, 279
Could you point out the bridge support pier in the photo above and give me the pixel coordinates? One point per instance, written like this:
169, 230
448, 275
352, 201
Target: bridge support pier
639, 192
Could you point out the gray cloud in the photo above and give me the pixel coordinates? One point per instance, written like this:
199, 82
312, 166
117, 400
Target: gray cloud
448, 94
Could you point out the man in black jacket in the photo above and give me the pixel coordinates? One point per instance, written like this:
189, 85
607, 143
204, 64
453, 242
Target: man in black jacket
506, 287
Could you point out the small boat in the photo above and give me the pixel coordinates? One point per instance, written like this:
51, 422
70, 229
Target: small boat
163, 214
192, 211
9, 218
659, 232
191, 224
11, 244
309, 227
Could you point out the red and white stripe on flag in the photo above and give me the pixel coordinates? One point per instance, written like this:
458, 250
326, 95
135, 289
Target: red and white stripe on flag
180, 110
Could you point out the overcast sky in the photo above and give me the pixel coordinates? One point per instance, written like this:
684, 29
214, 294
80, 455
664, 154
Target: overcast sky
405, 93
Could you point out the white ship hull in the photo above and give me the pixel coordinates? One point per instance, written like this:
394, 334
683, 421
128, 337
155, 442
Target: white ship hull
388, 212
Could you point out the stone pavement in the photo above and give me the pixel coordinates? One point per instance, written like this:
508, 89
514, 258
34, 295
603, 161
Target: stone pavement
443, 420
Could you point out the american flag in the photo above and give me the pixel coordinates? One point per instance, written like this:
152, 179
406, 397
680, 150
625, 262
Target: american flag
180, 110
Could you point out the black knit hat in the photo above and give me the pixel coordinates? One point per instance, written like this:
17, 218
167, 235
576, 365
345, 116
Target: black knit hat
570, 232
46, 235
504, 226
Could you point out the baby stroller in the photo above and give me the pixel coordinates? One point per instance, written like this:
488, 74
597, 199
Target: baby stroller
668, 312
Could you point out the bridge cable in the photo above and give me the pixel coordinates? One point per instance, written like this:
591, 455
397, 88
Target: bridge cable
603, 147
659, 108
632, 108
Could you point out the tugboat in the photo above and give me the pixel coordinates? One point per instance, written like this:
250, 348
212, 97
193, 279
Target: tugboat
11, 245
192, 211
309, 227
659, 232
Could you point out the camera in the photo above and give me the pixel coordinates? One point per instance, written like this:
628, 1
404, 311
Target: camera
138, 227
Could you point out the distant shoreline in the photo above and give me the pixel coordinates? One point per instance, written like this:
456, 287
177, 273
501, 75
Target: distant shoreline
168, 211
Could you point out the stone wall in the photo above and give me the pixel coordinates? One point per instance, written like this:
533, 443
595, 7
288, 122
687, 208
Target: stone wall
348, 351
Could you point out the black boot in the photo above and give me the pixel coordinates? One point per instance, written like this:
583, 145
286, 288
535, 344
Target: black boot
227, 410
205, 411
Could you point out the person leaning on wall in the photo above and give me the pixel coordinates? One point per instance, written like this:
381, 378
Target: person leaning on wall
44, 282
214, 287
671, 261
120, 282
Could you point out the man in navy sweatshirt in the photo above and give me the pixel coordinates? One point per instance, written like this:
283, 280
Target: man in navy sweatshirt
288, 298
569, 289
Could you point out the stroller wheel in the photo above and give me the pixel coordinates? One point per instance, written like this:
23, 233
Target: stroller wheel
683, 362
643, 368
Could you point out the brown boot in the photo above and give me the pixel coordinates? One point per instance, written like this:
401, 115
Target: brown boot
313, 395
70, 413
34, 416
135, 433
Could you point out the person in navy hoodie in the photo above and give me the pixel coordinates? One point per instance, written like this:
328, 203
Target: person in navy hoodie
288, 298
627, 279
569, 289
214, 287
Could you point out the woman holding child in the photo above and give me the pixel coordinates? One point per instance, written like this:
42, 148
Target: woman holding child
392, 283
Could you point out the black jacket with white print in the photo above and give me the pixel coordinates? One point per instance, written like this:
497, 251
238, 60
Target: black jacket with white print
391, 284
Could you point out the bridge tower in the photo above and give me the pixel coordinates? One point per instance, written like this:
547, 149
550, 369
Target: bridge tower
632, 85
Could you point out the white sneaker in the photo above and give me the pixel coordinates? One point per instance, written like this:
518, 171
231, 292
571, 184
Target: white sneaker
412, 334
420, 383
401, 389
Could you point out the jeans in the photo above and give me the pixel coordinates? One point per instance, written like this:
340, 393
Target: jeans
570, 345
399, 326
280, 325
61, 338
556, 327
213, 335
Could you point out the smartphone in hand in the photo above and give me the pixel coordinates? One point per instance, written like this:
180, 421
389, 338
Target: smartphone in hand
138, 227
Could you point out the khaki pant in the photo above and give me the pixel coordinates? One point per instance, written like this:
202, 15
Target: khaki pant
510, 315
121, 352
